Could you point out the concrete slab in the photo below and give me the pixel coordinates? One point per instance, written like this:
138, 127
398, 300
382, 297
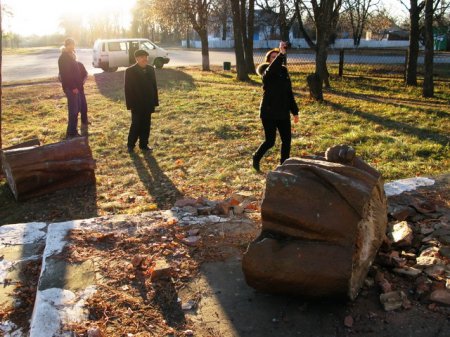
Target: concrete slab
21, 247
65, 286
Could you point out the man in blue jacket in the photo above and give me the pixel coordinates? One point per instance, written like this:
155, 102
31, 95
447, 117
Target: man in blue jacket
141, 97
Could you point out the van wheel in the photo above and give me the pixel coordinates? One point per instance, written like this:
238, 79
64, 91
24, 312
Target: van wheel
158, 63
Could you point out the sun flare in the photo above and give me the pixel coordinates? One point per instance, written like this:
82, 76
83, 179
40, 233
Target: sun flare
31, 17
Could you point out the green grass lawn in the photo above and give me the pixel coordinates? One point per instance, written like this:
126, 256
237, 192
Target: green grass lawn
207, 128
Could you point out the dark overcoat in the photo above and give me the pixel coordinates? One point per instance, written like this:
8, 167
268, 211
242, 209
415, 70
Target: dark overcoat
141, 92
69, 72
278, 99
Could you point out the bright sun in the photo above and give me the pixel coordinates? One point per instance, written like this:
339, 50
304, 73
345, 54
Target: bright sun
43, 17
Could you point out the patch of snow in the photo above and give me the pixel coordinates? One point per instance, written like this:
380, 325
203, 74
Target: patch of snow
403, 185
22, 233
56, 307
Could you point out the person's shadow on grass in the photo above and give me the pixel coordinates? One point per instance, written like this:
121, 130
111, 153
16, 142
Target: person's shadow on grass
159, 186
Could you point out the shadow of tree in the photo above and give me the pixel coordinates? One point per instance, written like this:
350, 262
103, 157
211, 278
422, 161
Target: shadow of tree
159, 186
111, 84
420, 133
420, 105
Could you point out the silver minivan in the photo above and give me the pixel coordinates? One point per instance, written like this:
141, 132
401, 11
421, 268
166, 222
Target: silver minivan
109, 54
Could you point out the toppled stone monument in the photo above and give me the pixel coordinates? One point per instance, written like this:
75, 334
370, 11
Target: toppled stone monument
323, 221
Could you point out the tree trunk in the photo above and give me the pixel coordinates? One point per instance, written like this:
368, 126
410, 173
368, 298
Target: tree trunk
428, 85
39, 170
249, 45
188, 40
241, 66
321, 59
205, 49
224, 29
1, 83
413, 48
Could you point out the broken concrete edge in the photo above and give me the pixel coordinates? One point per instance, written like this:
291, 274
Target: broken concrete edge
11, 236
54, 307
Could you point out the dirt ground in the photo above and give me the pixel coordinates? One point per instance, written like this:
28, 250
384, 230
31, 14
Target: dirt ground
207, 296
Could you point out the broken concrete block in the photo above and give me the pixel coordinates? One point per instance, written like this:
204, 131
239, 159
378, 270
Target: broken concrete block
392, 300
445, 251
161, 270
435, 271
243, 195
401, 234
408, 271
427, 261
441, 296
191, 240
304, 247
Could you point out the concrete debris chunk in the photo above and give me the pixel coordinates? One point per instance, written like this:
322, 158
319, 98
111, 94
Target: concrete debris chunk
436, 271
401, 234
161, 270
441, 296
408, 271
427, 261
392, 300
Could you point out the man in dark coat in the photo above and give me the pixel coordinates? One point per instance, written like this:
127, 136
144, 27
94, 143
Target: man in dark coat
141, 97
72, 84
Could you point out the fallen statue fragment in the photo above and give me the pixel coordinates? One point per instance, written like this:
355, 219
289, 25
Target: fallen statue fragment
323, 221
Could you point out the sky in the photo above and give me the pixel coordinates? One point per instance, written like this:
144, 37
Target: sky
41, 17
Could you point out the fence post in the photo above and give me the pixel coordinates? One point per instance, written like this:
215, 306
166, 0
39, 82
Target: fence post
341, 62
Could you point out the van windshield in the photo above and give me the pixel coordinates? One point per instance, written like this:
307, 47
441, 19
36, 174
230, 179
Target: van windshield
147, 45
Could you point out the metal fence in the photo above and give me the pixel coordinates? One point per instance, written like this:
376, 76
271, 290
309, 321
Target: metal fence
389, 63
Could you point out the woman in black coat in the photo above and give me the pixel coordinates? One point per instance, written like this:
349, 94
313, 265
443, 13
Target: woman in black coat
277, 104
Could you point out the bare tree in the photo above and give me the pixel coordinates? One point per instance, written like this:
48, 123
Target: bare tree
428, 84
198, 12
359, 12
380, 21
1, 80
286, 14
325, 15
247, 14
241, 66
221, 12
415, 8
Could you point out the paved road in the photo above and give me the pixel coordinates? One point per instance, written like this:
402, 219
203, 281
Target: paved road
44, 63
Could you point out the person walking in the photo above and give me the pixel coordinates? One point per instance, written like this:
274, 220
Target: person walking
141, 97
277, 104
72, 80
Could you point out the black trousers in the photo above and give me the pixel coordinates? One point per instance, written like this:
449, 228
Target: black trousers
139, 129
270, 130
